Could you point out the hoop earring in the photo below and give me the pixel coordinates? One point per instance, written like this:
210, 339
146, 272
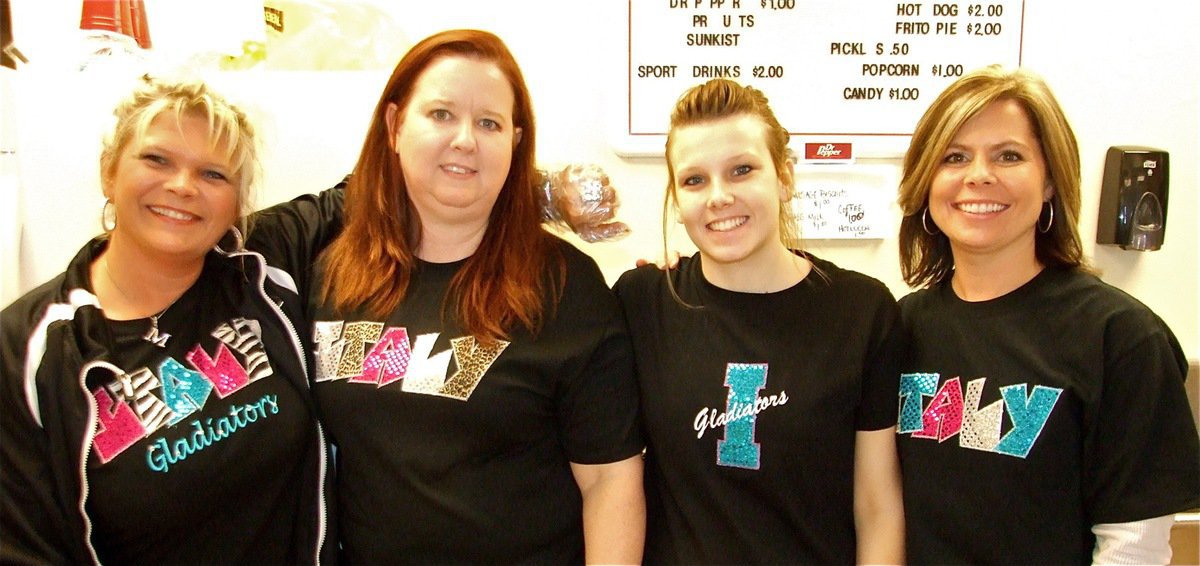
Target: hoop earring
925, 223
238, 242
1051, 222
108, 216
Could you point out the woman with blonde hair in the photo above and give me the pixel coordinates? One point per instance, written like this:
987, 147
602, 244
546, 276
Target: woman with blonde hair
154, 401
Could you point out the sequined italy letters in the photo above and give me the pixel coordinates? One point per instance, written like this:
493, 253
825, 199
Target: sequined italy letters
949, 412
366, 352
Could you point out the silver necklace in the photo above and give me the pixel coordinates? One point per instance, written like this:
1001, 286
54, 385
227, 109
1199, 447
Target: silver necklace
153, 335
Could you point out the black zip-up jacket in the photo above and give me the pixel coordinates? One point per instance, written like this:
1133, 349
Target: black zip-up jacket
52, 339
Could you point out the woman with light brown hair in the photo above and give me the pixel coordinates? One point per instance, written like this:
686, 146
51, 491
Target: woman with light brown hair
1042, 412
767, 374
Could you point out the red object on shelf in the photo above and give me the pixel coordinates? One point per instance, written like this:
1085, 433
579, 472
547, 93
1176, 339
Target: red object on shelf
102, 15
141, 29
126, 17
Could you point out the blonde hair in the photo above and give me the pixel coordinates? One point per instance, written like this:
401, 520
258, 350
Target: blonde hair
926, 259
228, 129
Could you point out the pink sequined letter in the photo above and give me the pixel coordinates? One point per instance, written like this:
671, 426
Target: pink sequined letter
387, 361
226, 374
943, 417
119, 428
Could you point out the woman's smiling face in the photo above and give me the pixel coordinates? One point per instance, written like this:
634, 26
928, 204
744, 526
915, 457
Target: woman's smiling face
988, 191
174, 193
727, 189
455, 139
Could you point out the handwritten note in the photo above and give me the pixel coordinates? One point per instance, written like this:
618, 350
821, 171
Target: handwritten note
839, 206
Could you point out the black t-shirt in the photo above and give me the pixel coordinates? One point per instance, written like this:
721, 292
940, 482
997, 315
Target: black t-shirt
201, 444
451, 450
751, 404
1026, 419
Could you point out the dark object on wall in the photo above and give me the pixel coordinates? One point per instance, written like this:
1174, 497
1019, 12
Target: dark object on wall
9, 54
1133, 198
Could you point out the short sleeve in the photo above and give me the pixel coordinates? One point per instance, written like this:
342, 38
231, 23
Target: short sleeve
1141, 451
598, 405
878, 408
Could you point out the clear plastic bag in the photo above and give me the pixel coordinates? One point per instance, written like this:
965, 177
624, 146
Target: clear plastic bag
580, 198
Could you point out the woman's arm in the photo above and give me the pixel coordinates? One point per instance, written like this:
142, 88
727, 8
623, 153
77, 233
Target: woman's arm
1138, 542
614, 511
32, 527
292, 234
878, 505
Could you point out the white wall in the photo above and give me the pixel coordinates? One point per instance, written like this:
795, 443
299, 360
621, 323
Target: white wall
1127, 73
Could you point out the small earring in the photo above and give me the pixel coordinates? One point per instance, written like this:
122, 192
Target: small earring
925, 223
1050, 223
108, 216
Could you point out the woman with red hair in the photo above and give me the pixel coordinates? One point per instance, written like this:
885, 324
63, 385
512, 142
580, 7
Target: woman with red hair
474, 371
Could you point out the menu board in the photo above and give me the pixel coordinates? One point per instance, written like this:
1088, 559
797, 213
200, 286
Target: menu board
843, 70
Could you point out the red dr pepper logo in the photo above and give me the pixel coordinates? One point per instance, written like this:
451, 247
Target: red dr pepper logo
828, 152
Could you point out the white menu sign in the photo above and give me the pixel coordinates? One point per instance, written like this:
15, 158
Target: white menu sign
858, 70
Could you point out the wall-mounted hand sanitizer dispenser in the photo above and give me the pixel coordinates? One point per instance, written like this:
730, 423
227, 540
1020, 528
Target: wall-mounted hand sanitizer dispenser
1133, 198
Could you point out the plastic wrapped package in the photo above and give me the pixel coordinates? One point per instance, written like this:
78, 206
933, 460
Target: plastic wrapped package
579, 198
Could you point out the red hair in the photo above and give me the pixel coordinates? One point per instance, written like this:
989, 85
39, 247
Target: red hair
370, 264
